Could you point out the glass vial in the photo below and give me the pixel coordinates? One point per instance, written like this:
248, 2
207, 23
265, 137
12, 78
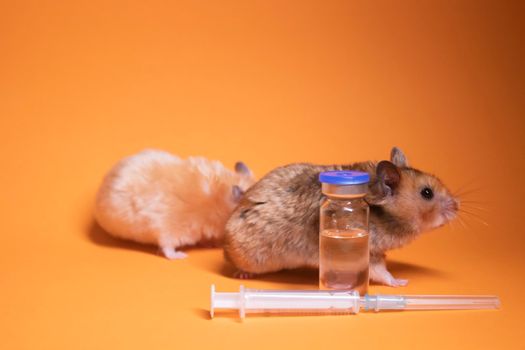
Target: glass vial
343, 233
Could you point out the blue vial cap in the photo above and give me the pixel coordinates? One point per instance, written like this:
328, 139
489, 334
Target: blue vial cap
344, 177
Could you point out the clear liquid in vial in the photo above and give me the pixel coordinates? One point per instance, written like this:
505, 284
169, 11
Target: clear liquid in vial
343, 260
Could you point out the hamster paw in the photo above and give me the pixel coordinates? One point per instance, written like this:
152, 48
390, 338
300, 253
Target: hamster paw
172, 254
379, 274
243, 275
390, 281
398, 282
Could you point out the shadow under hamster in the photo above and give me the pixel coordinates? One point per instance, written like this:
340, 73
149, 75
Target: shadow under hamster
98, 236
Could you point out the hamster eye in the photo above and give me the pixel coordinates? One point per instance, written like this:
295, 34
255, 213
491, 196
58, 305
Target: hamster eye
427, 193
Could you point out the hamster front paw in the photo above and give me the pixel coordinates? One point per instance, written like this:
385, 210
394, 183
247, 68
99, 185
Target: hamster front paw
379, 274
243, 275
397, 282
172, 254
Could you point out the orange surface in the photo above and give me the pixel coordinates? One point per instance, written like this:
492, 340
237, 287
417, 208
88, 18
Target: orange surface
84, 83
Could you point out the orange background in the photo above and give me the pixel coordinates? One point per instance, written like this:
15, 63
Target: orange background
84, 83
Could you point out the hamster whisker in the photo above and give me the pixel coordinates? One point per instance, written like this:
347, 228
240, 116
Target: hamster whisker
475, 216
469, 206
471, 213
467, 220
473, 202
466, 192
465, 186
462, 222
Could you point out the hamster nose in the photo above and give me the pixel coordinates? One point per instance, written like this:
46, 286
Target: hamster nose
455, 204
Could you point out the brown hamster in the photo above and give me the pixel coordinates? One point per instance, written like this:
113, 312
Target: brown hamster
276, 224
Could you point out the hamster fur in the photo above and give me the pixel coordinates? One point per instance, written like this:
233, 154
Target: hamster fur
157, 198
276, 225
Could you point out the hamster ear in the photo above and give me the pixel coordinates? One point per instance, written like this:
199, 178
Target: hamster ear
242, 169
398, 157
387, 179
237, 193
388, 174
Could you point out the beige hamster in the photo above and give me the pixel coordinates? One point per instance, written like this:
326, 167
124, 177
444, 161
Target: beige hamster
276, 225
157, 198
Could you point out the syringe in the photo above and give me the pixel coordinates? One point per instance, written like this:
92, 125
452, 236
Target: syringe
339, 302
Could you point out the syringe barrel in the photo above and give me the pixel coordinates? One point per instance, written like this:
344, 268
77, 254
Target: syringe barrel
290, 302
